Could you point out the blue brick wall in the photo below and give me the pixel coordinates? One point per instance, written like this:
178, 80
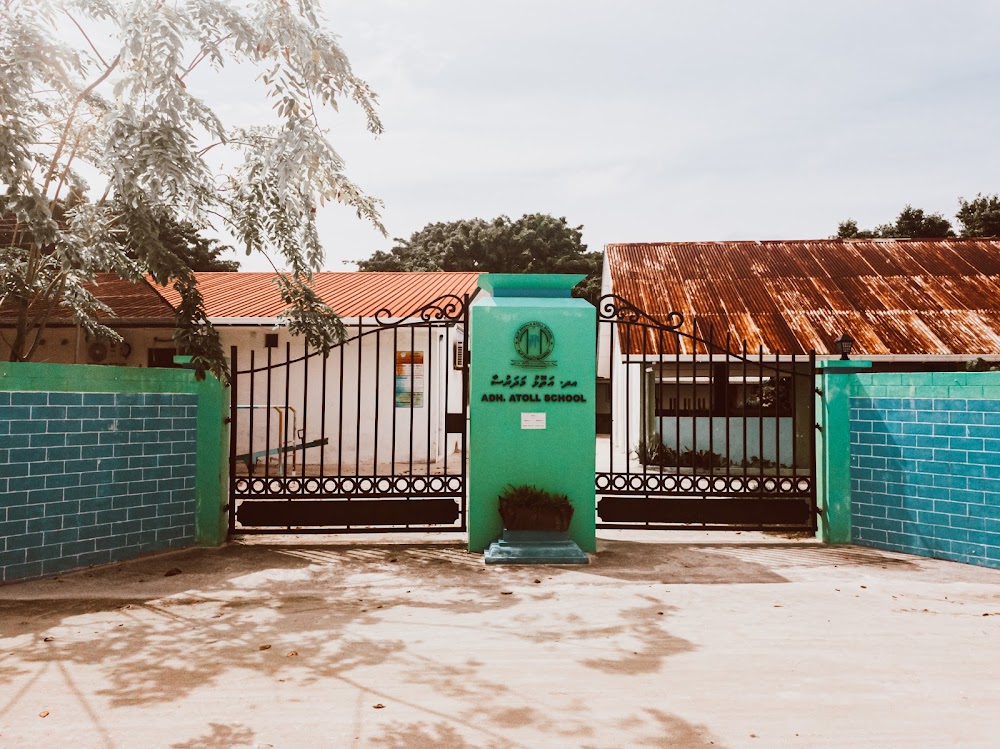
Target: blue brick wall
925, 477
90, 478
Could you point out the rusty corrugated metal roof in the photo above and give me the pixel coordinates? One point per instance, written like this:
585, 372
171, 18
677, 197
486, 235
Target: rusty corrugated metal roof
893, 296
357, 294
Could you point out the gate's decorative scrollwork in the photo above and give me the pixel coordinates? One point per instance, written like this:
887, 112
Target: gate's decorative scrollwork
448, 308
612, 307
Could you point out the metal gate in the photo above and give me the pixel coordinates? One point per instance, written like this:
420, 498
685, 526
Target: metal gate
368, 437
704, 434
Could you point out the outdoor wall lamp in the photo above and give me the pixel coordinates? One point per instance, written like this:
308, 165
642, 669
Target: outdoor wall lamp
844, 345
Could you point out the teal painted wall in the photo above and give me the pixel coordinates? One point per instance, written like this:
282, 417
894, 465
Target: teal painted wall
558, 458
838, 385
210, 435
925, 464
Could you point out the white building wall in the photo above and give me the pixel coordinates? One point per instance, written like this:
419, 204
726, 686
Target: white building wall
357, 410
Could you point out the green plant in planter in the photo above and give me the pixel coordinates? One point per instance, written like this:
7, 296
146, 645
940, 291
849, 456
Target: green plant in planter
528, 508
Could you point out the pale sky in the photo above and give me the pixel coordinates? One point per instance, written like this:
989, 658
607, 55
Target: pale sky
663, 121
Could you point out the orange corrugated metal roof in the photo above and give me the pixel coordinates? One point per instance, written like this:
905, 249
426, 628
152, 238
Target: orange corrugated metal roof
893, 296
129, 302
357, 294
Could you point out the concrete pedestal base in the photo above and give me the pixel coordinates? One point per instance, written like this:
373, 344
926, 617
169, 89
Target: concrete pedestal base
535, 547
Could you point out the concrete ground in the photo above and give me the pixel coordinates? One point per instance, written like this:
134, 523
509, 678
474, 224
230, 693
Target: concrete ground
665, 640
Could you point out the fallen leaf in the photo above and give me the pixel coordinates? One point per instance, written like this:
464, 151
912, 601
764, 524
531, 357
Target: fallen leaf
537, 581
50, 639
172, 571
778, 606
378, 706
43, 714
864, 586
506, 592
660, 613
393, 559
264, 647
291, 653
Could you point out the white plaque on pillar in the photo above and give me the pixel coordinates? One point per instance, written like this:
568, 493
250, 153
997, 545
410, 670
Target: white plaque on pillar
532, 421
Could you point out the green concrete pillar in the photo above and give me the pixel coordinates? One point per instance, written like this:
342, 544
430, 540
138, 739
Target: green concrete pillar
532, 399
833, 448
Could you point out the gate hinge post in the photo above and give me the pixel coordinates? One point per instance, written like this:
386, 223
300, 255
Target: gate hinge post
819, 427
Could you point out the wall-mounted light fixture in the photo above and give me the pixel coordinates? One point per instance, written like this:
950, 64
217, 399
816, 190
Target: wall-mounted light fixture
844, 345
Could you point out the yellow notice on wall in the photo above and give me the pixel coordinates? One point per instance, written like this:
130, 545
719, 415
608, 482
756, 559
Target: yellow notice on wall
409, 379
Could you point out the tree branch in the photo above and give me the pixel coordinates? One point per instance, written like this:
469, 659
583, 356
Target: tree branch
78, 26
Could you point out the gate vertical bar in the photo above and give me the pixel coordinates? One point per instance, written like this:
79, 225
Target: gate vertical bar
413, 369
727, 408
288, 383
812, 440
760, 413
693, 410
322, 416
233, 431
778, 401
429, 392
305, 405
796, 420
378, 378
357, 413
465, 412
395, 375
340, 415
628, 396
677, 408
711, 405
449, 365
743, 411
267, 418
612, 337
251, 409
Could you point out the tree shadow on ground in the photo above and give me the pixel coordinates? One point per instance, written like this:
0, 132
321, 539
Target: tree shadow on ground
302, 613
220, 736
676, 564
727, 563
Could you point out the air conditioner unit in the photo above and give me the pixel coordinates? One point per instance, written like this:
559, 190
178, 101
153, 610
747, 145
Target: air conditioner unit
97, 352
458, 355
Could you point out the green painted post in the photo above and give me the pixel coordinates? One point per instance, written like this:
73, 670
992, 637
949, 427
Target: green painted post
212, 475
532, 399
833, 449
211, 520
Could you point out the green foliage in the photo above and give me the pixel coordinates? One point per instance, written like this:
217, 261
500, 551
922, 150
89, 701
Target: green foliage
980, 364
911, 223
120, 108
195, 250
655, 453
526, 496
979, 217
534, 243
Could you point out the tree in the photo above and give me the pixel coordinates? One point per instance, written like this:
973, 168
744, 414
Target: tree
126, 116
979, 217
911, 223
534, 243
849, 230
195, 250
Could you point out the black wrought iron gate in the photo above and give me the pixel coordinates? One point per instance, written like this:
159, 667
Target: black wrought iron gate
368, 437
704, 433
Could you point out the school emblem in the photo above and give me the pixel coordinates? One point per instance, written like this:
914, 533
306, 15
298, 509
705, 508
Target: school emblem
534, 342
